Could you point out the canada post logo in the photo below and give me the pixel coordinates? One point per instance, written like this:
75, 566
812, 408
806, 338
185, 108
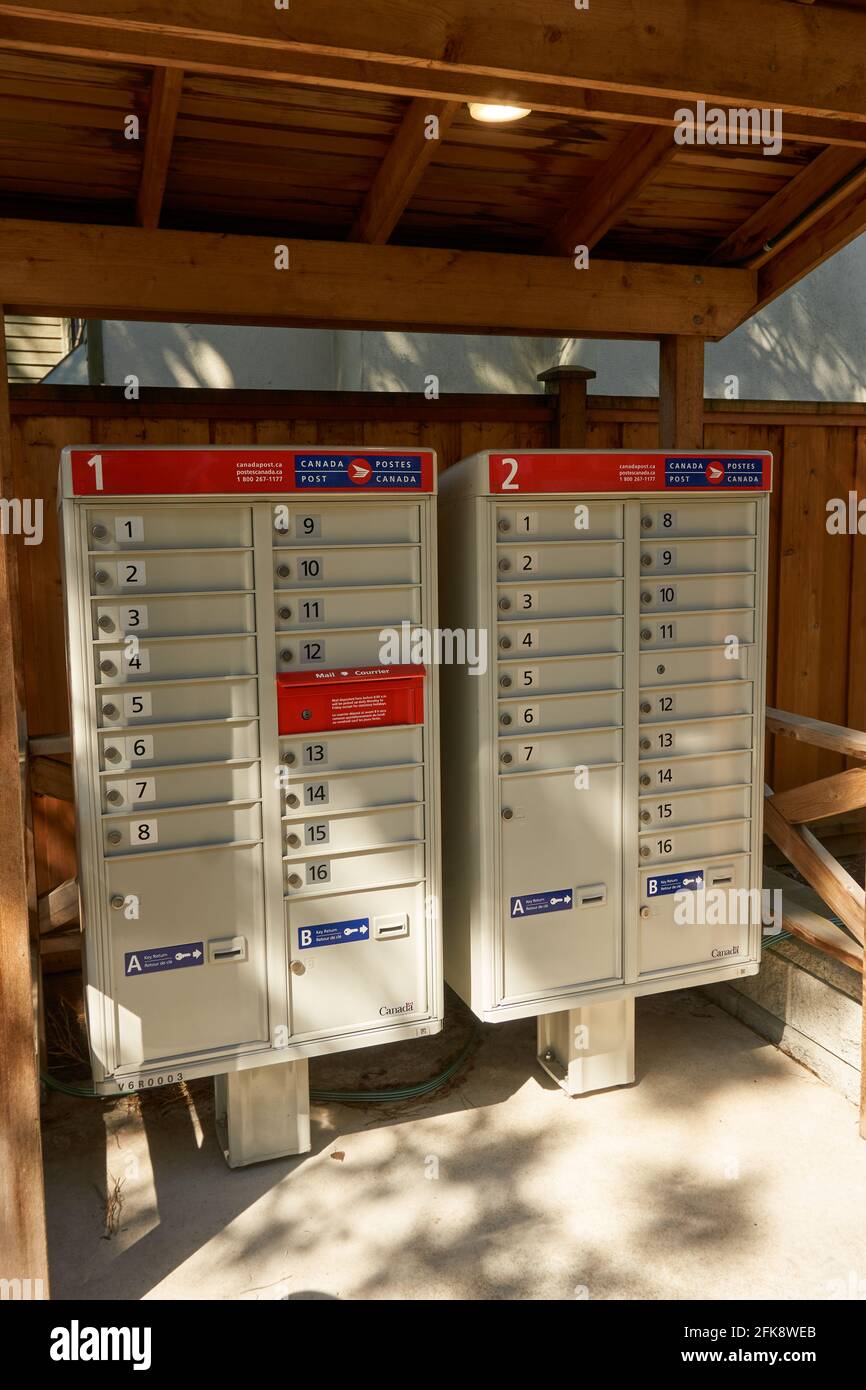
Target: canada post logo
709, 472
400, 472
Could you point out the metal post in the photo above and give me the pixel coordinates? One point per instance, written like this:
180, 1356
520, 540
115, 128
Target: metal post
590, 1048
263, 1112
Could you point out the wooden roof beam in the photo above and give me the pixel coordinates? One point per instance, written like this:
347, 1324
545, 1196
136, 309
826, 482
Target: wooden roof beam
161, 120
401, 170
806, 192
636, 161
127, 272
499, 49
815, 243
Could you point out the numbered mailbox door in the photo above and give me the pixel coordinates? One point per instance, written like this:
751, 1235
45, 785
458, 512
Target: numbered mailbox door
560, 858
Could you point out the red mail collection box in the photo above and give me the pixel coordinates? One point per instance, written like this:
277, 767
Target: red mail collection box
354, 698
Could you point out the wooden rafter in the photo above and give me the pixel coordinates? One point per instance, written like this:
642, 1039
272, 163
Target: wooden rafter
126, 272
161, 119
617, 184
845, 220
804, 194
401, 170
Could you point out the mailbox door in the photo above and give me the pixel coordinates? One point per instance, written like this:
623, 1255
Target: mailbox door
358, 961
561, 911
169, 1000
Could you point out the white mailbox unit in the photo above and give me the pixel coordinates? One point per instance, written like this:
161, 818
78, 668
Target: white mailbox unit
257, 796
609, 762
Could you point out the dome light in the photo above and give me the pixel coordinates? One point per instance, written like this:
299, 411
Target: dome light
496, 114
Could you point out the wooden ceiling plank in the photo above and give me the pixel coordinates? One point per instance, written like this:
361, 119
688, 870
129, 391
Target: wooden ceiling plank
768, 221
127, 272
161, 120
616, 185
402, 169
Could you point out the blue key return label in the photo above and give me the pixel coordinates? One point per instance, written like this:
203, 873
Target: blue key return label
334, 933
156, 959
531, 904
690, 881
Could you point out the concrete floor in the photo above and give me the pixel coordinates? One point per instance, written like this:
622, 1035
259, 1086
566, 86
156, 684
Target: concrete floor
726, 1171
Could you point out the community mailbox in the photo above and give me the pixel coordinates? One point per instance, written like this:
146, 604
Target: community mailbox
257, 793
603, 780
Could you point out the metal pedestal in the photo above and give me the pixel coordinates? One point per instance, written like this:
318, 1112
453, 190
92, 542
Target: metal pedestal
590, 1048
263, 1112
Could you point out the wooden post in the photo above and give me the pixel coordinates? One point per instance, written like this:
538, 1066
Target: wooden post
681, 393
23, 1250
568, 384
863, 1063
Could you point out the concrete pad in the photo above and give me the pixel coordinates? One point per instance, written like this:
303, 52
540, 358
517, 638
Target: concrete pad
726, 1171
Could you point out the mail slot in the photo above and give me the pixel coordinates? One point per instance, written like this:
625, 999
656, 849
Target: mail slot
351, 699
312, 790
573, 636
214, 697
584, 518
685, 555
336, 524
339, 872
546, 752
323, 649
173, 658
341, 751
349, 565
174, 617
695, 701
559, 598
172, 571
324, 608
546, 713
559, 560
370, 830
665, 811
168, 528
164, 745
676, 517
559, 676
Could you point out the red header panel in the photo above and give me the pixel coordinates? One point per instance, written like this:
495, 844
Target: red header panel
185, 472
623, 472
358, 698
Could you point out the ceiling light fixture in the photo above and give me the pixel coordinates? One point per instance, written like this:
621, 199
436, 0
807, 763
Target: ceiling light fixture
497, 114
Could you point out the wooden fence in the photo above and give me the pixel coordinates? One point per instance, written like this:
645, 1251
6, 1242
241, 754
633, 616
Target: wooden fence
817, 641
